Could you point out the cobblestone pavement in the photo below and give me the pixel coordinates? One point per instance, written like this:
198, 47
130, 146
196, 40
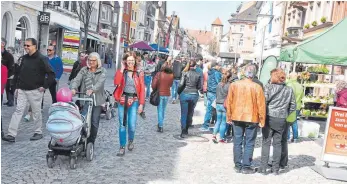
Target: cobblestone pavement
157, 157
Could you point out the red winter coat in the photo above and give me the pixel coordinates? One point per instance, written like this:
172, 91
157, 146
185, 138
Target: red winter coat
4, 72
119, 82
342, 98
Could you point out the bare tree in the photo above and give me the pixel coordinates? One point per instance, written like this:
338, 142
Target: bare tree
213, 47
84, 12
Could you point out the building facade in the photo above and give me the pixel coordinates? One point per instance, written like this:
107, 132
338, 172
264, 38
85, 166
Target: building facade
339, 11
134, 20
150, 21
19, 21
126, 22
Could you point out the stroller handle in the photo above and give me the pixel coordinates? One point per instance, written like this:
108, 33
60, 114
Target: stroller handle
88, 99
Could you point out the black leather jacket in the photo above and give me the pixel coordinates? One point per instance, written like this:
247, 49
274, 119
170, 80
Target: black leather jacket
280, 100
192, 81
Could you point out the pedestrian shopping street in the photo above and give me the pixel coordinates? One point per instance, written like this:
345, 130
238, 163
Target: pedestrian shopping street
157, 157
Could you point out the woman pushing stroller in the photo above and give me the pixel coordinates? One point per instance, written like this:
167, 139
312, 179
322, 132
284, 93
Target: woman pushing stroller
130, 96
91, 78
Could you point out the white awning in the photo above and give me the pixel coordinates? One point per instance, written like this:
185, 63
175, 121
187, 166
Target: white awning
101, 38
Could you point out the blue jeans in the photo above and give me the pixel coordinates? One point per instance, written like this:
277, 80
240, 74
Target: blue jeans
148, 81
210, 98
221, 121
132, 117
205, 99
244, 140
295, 127
174, 89
161, 109
188, 103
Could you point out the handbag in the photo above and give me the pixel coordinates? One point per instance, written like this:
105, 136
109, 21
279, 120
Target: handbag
155, 97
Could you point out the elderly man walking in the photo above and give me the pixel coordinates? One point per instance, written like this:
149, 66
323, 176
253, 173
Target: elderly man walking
30, 89
245, 106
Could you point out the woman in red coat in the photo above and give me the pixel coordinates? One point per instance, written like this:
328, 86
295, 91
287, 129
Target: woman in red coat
4, 72
130, 96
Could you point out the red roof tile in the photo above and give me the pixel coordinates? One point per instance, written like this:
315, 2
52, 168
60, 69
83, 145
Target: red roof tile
201, 36
217, 22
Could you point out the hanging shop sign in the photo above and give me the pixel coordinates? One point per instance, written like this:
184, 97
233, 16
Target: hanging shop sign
44, 18
335, 142
70, 48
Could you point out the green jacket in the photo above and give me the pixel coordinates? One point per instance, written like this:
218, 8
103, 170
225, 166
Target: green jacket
298, 92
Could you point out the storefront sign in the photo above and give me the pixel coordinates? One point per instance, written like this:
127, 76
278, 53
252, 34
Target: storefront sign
44, 18
71, 44
335, 143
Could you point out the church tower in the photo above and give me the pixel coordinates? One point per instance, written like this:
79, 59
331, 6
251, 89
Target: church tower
217, 32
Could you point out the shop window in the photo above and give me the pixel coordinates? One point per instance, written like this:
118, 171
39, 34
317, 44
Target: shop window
115, 19
241, 42
66, 5
242, 28
74, 6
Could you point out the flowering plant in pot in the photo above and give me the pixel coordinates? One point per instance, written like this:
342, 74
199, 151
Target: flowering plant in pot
323, 20
314, 23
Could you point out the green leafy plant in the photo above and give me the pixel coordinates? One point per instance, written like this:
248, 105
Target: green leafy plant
323, 20
314, 23
311, 135
307, 26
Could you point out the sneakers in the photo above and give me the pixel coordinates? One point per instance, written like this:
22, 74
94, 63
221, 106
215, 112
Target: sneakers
9, 138
27, 118
160, 129
237, 169
222, 141
36, 137
214, 139
248, 170
204, 129
143, 115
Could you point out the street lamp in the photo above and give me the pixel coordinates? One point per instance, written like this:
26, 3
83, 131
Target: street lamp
263, 40
236, 44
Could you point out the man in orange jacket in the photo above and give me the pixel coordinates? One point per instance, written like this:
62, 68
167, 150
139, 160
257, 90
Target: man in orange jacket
245, 106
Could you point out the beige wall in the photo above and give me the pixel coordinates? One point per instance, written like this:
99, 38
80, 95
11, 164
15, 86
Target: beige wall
247, 39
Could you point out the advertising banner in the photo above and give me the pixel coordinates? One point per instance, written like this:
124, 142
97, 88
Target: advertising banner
70, 48
335, 143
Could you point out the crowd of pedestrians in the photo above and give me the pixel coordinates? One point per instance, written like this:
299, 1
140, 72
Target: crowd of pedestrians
234, 97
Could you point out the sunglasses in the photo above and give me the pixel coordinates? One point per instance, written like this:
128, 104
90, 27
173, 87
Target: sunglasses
49, 50
27, 45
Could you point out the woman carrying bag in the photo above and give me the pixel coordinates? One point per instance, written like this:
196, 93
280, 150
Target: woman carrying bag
162, 82
188, 90
130, 97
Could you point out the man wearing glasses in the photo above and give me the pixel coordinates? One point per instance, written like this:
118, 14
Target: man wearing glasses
57, 66
35, 76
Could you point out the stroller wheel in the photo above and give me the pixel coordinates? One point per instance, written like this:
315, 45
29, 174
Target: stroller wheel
73, 162
50, 161
90, 151
108, 114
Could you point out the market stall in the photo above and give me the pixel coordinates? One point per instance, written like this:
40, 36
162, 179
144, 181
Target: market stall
323, 59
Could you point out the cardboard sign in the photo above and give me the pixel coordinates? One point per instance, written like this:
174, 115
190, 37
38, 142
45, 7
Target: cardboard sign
335, 143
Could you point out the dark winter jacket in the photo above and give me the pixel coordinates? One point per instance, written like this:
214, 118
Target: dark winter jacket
35, 72
177, 70
8, 61
222, 92
192, 82
75, 69
214, 77
280, 100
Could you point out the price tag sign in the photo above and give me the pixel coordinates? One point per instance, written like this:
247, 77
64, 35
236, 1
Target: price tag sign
335, 142
44, 18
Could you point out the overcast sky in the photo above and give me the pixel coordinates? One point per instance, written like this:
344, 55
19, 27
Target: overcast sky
200, 14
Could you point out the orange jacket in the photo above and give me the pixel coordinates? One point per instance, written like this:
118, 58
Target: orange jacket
139, 81
246, 102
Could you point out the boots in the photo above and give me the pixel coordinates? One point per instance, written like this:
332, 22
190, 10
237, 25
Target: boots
184, 132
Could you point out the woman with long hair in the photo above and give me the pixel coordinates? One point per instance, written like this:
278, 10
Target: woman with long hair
188, 89
130, 96
280, 102
221, 95
163, 81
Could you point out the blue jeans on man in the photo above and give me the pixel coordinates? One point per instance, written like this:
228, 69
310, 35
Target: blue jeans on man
245, 134
294, 127
210, 98
148, 81
221, 123
161, 108
188, 103
131, 123
174, 89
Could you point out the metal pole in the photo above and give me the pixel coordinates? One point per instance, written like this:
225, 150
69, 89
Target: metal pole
262, 49
120, 23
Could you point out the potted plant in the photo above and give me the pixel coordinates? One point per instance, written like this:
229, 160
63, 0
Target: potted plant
307, 26
286, 34
323, 20
314, 23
